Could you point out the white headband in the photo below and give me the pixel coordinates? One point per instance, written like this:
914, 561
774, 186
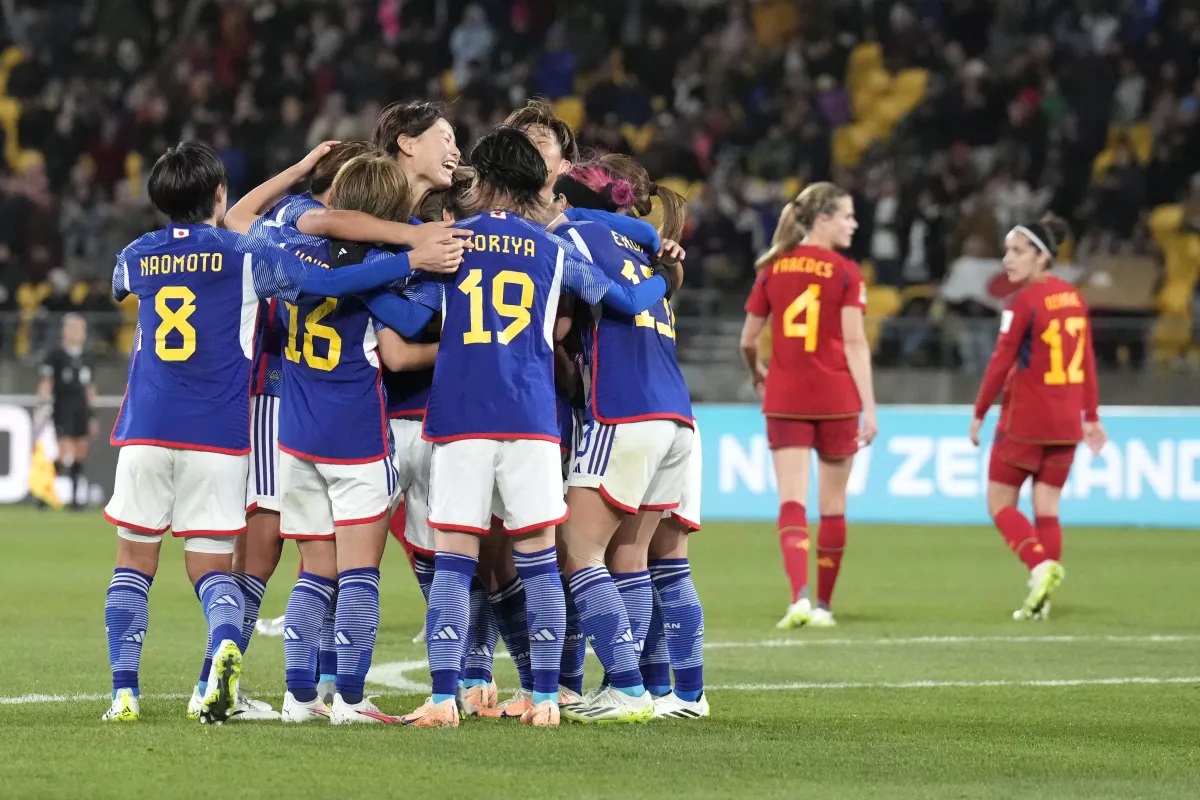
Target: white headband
1033, 237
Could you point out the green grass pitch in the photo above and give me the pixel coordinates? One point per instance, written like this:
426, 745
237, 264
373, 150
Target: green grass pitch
927, 689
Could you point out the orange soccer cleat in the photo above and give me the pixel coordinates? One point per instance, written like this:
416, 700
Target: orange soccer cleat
514, 707
474, 699
433, 715
542, 715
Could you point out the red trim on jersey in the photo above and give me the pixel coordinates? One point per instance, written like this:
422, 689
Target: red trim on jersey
181, 446
547, 524
502, 437
190, 534
614, 502
136, 528
112, 436
319, 460
307, 537
689, 421
446, 526
416, 413
687, 523
384, 430
362, 520
660, 507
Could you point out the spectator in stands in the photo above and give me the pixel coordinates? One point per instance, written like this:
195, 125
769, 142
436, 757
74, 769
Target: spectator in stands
471, 41
972, 304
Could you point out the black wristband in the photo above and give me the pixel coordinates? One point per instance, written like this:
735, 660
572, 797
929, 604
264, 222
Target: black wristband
662, 269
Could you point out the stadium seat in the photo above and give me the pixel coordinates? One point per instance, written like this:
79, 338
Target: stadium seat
1141, 139
1181, 258
10, 113
679, 186
449, 84
870, 88
790, 188
30, 297
1102, 162
883, 301
1171, 337
1164, 221
864, 58
570, 110
910, 87
639, 137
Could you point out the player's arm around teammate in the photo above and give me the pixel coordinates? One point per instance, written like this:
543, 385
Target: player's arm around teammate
818, 384
1045, 363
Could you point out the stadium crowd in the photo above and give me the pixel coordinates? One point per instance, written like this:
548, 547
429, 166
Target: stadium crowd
948, 120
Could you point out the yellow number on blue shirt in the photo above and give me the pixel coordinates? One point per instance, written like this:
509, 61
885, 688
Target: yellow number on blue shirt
313, 331
518, 312
175, 320
646, 319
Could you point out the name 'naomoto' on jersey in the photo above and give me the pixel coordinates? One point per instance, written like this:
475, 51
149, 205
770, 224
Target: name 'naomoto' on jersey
803, 292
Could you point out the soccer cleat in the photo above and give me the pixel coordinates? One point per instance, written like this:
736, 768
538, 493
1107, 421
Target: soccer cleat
669, 706
434, 715
247, 709
473, 699
297, 711
220, 696
124, 707
512, 708
822, 618
420, 637
326, 690
269, 627
610, 705
193, 707
366, 712
798, 614
542, 715
1043, 579
568, 696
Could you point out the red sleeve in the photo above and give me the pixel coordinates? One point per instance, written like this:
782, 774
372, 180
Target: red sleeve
856, 290
1014, 322
757, 303
1091, 385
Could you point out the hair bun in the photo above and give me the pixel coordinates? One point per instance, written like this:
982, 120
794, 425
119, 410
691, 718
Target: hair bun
1056, 229
620, 193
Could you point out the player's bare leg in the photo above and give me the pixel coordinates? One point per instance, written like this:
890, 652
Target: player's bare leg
678, 604
307, 607
792, 465
833, 478
446, 622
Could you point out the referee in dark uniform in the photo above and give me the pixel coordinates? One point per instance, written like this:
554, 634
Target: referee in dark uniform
66, 384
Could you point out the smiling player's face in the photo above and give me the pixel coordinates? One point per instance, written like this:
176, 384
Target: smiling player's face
543, 138
433, 156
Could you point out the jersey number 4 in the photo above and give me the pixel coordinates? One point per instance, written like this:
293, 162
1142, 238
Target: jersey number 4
1075, 327
314, 331
800, 318
518, 312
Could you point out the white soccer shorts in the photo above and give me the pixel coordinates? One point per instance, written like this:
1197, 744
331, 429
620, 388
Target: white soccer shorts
262, 487
518, 480
413, 457
191, 492
688, 512
635, 465
316, 497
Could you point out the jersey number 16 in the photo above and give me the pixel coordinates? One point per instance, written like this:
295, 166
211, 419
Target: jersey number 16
314, 331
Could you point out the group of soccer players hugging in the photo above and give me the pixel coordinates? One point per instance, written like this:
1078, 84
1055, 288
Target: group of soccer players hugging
381, 322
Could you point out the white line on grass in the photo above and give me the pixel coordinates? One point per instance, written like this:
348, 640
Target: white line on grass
76, 698
1050, 684
949, 640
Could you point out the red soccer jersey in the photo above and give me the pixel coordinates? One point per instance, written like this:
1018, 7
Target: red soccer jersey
1045, 363
803, 292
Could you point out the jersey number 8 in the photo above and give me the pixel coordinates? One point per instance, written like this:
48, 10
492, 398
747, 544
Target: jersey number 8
518, 312
313, 331
175, 320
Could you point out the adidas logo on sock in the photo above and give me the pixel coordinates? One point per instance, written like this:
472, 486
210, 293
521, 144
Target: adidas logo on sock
639, 644
446, 634
481, 650
289, 634
222, 600
700, 631
624, 638
544, 635
136, 636
341, 637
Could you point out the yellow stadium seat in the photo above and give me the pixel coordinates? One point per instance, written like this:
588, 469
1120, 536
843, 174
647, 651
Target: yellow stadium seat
1175, 298
865, 57
30, 297
1141, 139
677, 185
867, 268
791, 187
882, 115
867, 91
1163, 222
639, 137
449, 84
910, 86
570, 110
883, 301
1181, 258
1104, 160
1171, 337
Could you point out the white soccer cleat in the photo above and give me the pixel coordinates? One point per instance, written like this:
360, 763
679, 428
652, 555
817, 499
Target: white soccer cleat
1043, 580
609, 705
669, 706
220, 696
326, 690
247, 709
568, 696
822, 618
124, 707
296, 711
798, 614
344, 713
420, 637
193, 708
269, 627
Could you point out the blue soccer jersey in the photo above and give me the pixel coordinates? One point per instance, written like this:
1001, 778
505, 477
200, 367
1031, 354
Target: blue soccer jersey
199, 289
494, 376
635, 373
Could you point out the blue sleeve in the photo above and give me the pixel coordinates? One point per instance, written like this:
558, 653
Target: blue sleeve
428, 292
295, 208
587, 282
638, 230
404, 316
278, 273
120, 280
